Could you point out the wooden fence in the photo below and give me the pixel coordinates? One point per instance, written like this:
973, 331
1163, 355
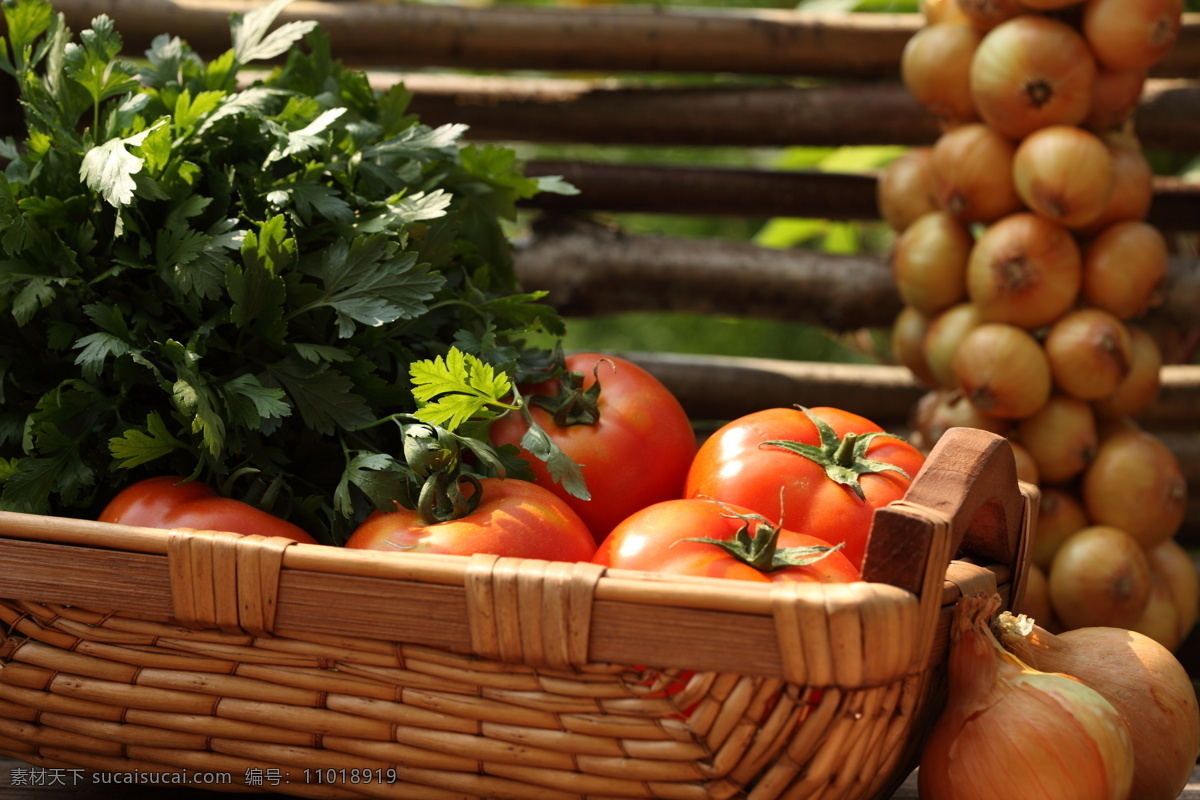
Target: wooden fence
623, 76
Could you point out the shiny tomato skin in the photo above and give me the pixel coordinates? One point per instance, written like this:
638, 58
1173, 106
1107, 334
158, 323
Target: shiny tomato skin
731, 467
637, 454
171, 502
515, 518
653, 540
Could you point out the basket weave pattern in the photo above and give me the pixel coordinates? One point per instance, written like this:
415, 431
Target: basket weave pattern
482, 677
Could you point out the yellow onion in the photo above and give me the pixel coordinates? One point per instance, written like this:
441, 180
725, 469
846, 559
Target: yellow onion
945, 332
1099, 576
1030, 72
1090, 353
1009, 731
935, 68
939, 410
1136, 483
1133, 183
971, 169
936, 11
1115, 97
1024, 270
1064, 173
987, 14
1141, 387
1060, 437
1035, 601
1125, 269
1173, 568
1132, 34
1060, 515
1027, 468
904, 191
908, 341
1142, 680
1003, 371
929, 262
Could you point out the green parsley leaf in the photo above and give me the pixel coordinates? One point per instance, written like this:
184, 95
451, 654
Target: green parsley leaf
453, 390
136, 447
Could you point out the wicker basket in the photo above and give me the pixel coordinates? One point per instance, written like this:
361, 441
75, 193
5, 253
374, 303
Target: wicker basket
317, 672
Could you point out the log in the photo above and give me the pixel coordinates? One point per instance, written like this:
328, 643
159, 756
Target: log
605, 39
764, 193
590, 270
610, 112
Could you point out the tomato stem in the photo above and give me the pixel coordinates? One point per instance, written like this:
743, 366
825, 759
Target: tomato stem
573, 404
760, 549
844, 460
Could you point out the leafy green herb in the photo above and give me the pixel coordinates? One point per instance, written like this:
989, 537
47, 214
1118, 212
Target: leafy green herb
235, 282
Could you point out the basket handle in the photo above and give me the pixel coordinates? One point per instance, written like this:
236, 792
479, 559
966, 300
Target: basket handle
966, 501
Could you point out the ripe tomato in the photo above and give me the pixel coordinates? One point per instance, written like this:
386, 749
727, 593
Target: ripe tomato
514, 518
737, 544
634, 442
170, 501
820, 472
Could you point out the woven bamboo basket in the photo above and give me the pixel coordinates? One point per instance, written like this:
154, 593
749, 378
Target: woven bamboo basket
245, 663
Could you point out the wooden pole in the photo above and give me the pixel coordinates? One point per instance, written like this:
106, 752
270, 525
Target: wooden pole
609, 112
589, 270
722, 191
606, 39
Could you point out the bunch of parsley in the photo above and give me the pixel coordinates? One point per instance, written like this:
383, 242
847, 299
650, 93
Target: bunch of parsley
230, 281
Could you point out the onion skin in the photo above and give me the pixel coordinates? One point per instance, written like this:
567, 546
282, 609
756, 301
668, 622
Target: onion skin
1030, 72
1024, 270
929, 262
1099, 576
1090, 353
1060, 515
971, 170
935, 68
904, 191
1145, 683
1125, 269
1142, 385
1008, 731
1135, 483
1132, 34
1060, 437
1003, 371
1064, 173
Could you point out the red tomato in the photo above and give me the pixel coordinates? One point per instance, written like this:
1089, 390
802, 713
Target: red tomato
748, 462
514, 518
634, 454
170, 501
658, 538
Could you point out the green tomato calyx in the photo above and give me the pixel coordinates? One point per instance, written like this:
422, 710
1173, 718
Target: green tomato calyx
760, 548
844, 460
573, 405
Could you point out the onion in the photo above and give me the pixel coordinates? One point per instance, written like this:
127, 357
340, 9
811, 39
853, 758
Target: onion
1049, 5
942, 409
1060, 515
1003, 371
935, 67
936, 11
1030, 72
1135, 483
1133, 183
1065, 174
1099, 576
1147, 685
1132, 34
987, 14
1115, 97
1090, 353
971, 168
946, 331
1173, 567
1024, 270
1009, 731
908, 341
929, 262
1027, 468
1035, 602
1060, 437
904, 190
1125, 269
1142, 385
